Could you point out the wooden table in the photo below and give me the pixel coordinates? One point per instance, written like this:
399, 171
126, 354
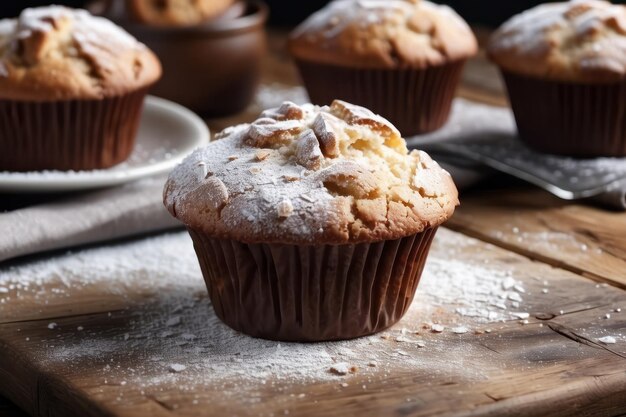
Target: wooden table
568, 259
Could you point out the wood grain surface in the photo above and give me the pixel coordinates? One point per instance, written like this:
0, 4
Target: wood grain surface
552, 365
582, 239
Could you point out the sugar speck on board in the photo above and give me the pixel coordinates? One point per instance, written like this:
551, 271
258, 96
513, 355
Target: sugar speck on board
521, 316
176, 367
460, 330
437, 328
608, 340
174, 321
52, 326
343, 368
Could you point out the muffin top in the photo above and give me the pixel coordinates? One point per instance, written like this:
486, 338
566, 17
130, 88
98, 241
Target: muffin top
580, 40
176, 12
56, 53
383, 34
310, 175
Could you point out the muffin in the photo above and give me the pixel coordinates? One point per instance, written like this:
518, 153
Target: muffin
176, 12
311, 223
71, 90
401, 58
564, 65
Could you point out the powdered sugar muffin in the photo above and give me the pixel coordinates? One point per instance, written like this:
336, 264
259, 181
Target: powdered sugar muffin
565, 69
311, 223
400, 58
71, 90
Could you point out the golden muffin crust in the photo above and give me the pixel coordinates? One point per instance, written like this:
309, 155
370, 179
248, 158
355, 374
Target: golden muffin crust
57, 53
383, 34
579, 41
176, 12
310, 175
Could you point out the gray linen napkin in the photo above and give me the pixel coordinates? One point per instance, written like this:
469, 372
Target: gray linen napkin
136, 208
97, 216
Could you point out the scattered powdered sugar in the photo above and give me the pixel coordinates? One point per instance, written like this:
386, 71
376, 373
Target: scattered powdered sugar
437, 328
460, 330
342, 368
174, 321
176, 367
608, 340
154, 265
483, 293
172, 336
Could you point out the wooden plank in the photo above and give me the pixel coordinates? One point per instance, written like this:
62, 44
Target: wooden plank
582, 239
554, 365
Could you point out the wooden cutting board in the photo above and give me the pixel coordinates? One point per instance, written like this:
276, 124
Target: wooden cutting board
137, 337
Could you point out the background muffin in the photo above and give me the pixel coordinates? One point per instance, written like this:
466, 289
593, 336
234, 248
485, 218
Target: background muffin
400, 58
565, 69
311, 223
71, 90
212, 68
176, 12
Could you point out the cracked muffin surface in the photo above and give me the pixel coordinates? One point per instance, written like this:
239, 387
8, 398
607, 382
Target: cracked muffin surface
383, 34
310, 175
57, 53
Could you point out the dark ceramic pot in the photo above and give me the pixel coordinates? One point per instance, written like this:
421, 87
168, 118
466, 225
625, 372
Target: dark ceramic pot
213, 68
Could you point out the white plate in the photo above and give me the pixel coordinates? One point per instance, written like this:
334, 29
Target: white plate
168, 132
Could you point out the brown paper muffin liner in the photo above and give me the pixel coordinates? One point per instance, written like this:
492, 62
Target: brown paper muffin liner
415, 100
68, 135
580, 120
312, 293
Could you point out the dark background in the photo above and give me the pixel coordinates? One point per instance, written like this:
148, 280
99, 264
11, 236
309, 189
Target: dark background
289, 12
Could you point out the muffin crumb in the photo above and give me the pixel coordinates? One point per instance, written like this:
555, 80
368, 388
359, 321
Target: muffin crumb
285, 208
262, 155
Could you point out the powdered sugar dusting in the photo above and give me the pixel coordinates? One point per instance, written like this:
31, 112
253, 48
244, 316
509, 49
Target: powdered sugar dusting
172, 337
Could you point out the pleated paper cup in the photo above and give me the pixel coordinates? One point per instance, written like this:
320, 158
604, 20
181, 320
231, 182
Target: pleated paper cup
68, 135
415, 100
312, 293
571, 119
